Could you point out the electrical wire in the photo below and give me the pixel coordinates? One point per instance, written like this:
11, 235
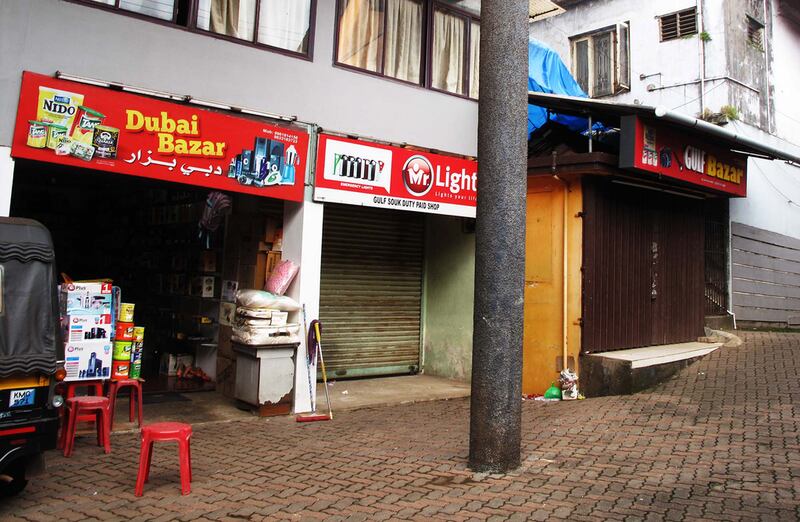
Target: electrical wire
787, 116
776, 189
695, 99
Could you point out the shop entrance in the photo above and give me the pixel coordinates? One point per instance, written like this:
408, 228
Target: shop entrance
143, 235
643, 276
371, 290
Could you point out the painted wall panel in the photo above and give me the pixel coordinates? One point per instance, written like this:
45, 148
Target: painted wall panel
766, 277
449, 295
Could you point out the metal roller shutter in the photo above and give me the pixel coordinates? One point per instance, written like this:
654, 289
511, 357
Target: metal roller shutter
371, 290
643, 268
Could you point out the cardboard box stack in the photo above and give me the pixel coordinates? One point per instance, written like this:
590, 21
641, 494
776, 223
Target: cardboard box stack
87, 325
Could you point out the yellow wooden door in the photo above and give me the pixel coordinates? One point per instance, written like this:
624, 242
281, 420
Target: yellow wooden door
544, 282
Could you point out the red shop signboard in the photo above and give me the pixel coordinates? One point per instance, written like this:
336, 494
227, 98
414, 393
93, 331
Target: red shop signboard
81, 125
373, 175
663, 150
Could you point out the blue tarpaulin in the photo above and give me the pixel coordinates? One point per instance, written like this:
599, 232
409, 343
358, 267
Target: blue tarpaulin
548, 74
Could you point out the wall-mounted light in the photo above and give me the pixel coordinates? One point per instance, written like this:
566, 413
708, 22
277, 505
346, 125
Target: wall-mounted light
157, 94
83, 79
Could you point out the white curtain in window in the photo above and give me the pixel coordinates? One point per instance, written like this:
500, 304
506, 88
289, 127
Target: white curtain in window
361, 34
448, 52
163, 9
284, 24
247, 19
403, 39
474, 58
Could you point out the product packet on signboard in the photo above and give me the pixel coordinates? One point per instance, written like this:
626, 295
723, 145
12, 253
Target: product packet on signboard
57, 106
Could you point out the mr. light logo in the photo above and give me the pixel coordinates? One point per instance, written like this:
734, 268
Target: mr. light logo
418, 175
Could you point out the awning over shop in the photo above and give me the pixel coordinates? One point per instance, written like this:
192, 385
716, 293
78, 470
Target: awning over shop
612, 114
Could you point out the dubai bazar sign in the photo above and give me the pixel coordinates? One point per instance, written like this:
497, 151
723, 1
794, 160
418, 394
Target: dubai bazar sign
70, 123
363, 173
648, 146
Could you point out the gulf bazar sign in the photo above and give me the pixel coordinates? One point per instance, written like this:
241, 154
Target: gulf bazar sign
369, 174
80, 125
662, 150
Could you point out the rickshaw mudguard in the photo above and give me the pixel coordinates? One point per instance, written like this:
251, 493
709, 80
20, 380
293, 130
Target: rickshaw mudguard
27, 439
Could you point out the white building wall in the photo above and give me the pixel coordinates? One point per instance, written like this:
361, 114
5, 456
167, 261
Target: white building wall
786, 77
773, 193
672, 67
773, 198
46, 36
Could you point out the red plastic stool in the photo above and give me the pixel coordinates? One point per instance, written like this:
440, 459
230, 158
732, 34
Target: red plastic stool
166, 431
93, 386
67, 390
76, 406
135, 400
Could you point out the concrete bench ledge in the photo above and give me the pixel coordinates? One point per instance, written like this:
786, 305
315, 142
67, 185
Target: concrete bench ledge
623, 372
665, 353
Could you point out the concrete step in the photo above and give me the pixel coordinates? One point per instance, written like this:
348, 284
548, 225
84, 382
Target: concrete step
719, 322
622, 372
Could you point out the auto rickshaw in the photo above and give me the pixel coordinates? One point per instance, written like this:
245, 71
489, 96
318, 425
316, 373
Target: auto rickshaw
31, 353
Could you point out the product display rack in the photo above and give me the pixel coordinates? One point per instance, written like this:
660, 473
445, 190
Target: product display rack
180, 300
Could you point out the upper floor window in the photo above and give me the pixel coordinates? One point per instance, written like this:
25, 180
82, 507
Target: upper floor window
755, 33
601, 60
281, 24
677, 25
426, 42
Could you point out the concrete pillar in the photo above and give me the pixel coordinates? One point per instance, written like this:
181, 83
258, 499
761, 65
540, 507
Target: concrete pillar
302, 240
6, 180
496, 401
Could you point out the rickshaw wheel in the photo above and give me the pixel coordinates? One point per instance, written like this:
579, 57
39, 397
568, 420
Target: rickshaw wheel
18, 482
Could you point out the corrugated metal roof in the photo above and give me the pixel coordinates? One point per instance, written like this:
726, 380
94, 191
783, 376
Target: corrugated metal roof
610, 113
541, 9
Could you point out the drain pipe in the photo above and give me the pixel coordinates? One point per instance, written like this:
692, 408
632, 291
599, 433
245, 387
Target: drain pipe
700, 31
564, 275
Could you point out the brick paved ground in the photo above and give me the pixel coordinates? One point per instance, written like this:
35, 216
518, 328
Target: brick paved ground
719, 442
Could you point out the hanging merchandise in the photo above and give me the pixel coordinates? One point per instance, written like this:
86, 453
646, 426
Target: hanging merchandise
217, 206
281, 277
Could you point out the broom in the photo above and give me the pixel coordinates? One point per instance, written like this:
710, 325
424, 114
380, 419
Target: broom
315, 340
